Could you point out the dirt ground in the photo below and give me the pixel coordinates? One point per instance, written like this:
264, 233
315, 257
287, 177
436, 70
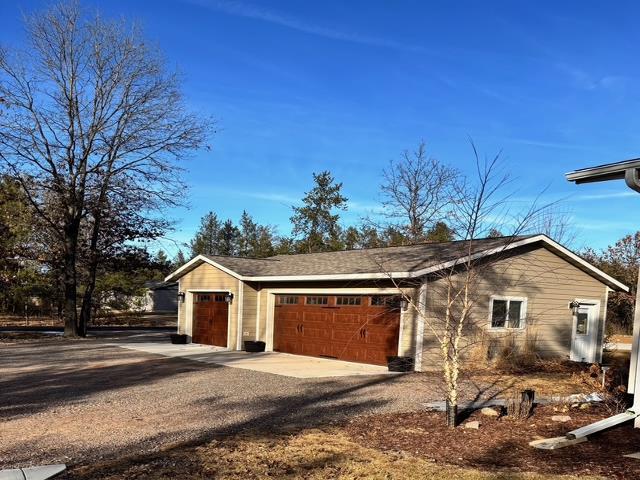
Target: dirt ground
503, 444
128, 413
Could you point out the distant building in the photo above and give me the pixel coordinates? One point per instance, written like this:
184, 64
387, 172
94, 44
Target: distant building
161, 297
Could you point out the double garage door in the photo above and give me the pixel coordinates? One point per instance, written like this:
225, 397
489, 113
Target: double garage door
363, 328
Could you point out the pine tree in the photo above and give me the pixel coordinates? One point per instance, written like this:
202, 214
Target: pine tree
207, 238
179, 260
228, 239
315, 223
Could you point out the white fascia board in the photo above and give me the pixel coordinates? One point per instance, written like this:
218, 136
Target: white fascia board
194, 262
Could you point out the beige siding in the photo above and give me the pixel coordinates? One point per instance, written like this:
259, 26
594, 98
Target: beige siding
547, 281
249, 311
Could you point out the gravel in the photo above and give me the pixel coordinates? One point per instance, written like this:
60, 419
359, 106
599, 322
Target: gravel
79, 401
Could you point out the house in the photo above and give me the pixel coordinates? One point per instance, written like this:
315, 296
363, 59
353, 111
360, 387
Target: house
160, 296
347, 304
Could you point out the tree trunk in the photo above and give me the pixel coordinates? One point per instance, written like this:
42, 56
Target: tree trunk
71, 232
452, 414
87, 298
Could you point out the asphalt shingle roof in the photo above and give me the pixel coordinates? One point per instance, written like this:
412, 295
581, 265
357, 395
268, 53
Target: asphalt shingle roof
374, 260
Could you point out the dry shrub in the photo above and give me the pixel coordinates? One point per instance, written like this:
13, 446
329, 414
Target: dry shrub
614, 391
517, 356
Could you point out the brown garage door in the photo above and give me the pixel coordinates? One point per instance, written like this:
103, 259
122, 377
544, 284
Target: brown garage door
356, 328
210, 315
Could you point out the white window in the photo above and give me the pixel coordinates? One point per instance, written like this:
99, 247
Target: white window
507, 312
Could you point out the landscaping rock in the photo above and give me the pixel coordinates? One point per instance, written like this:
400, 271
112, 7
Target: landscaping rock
489, 412
561, 418
475, 425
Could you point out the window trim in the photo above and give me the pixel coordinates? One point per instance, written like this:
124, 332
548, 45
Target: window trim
508, 299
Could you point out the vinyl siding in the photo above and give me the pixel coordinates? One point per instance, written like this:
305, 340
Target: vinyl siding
547, 281
249, 311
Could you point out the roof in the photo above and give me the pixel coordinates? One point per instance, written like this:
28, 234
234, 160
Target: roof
600, 173
409, 258
411, 261
159, 285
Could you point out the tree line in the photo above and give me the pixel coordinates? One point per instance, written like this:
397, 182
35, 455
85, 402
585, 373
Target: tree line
415, 193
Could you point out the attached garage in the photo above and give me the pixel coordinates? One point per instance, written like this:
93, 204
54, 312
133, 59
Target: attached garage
346, 305
360, 328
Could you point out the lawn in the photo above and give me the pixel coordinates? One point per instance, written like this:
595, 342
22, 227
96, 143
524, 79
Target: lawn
312, 454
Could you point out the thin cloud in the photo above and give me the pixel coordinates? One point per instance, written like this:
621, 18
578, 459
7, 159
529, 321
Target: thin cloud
247, 10
545, 144
604, 196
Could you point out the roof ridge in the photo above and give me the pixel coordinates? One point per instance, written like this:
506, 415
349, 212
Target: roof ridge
420, 244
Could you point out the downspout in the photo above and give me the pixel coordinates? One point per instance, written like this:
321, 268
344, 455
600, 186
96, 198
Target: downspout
632, 178
634, 367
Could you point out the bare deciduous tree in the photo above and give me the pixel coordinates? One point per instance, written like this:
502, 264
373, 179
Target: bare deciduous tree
417, 191
483, 205
89, 117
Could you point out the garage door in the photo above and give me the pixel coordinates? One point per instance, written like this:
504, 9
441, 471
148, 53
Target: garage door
211, 317
362, 328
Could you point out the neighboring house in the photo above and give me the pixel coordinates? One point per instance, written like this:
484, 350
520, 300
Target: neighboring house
346, 304
160, 297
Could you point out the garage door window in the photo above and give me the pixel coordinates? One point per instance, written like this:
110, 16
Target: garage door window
203, 298
387, 301
288, 300
317, 300
348, 301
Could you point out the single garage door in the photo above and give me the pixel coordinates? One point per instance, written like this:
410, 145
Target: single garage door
211, 317
363, 328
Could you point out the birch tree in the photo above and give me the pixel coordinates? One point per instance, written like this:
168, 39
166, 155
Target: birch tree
482, 205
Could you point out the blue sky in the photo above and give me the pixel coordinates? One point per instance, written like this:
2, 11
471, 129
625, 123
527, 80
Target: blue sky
298, 87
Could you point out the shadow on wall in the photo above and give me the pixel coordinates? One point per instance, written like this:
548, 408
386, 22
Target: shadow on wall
547, 282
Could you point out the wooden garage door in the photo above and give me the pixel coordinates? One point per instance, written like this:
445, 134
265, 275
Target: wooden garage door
211, 317
355, 328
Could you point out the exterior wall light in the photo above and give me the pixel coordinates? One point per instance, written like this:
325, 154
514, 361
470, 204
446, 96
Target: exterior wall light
181, 296
404, 304
228, 297
574, 306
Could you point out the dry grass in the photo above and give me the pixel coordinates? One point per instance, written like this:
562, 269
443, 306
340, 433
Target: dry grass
311, 455
544, 383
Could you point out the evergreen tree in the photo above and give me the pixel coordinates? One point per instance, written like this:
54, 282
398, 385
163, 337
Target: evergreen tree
351, 238
178, 260
207, 238
370, 237
228, 239
440, 232
248, 235
255, 240
315, 223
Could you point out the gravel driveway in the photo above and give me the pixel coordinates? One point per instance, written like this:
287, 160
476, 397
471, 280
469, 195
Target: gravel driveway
78, 401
